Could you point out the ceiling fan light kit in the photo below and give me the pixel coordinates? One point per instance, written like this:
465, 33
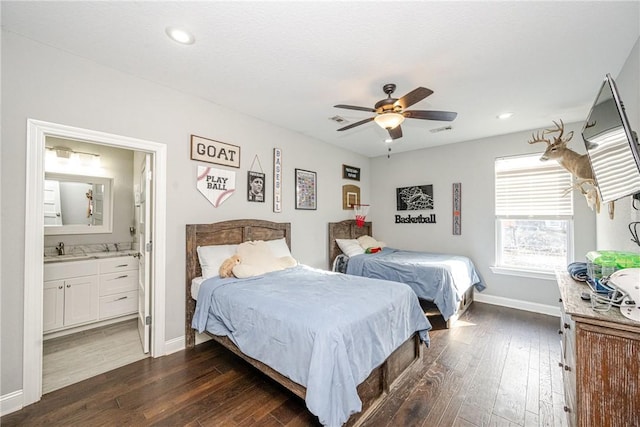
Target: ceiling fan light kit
389, 120
390, 112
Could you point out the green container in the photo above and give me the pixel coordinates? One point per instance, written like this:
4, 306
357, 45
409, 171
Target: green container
603, 263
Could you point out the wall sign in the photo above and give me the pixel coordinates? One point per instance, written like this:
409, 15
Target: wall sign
277, 180
457, 206
414, 198
211, 151
255, 186
420, 219
350, 172
217, 185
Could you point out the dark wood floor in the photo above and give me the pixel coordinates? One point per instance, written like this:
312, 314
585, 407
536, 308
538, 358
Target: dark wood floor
495, 367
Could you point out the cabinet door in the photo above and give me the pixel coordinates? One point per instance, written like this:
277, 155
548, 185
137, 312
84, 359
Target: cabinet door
53, 305
81, 300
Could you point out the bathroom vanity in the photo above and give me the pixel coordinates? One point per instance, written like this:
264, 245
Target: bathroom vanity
89, 290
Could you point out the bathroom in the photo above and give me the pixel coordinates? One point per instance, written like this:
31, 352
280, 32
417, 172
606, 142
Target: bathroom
94, 220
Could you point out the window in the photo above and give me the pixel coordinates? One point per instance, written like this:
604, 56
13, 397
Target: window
534, 215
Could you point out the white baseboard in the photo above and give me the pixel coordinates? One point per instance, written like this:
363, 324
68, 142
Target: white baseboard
534, 307
11, 402
174, 345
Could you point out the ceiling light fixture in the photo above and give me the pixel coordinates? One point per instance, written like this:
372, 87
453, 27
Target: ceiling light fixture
505, 116
389, 120
180, 36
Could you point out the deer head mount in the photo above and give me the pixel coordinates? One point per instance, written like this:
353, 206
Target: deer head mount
577, 164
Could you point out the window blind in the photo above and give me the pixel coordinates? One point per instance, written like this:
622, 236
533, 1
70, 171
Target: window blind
526, 186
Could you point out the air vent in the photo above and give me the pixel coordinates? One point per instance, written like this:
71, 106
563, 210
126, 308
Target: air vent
337, 119
441, 129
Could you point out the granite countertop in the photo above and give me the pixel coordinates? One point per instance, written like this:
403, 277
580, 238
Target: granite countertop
88, 256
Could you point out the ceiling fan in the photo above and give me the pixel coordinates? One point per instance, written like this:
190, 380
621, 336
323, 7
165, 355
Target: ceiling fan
390, 112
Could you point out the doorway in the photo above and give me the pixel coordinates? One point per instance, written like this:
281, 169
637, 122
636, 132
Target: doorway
37, 132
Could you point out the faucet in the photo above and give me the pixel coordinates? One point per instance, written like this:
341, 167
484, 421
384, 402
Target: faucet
106, 247
117, 248
60, 248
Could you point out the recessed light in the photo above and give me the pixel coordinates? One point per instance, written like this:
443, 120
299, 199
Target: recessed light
505, 116
180, 36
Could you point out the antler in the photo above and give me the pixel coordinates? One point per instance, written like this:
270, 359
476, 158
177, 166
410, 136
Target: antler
539, 138
559, 128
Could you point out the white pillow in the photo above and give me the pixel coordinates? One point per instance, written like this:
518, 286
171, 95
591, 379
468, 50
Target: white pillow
350, 247
211, 258
367, 242
279, 247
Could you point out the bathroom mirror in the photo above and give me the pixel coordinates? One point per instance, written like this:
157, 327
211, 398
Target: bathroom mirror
77, 204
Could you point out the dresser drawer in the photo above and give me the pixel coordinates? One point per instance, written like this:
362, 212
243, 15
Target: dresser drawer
113, 283
118, 304
114, 265
66, 270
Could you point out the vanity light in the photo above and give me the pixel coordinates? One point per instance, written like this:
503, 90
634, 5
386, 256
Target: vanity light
505, 116
389, 120
180, 36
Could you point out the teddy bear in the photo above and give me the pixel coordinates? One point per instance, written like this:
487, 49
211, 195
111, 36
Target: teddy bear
256, 258
226, 268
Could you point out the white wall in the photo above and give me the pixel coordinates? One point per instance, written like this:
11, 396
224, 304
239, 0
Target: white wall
46, 84
614, 234
472, 164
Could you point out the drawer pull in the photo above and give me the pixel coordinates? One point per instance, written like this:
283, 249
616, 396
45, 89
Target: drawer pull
567, 368
567, 326
560, 364
121, 265
121, 298
560, 331
567, 409
124, 276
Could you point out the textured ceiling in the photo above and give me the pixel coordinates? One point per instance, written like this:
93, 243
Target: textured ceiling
288, 63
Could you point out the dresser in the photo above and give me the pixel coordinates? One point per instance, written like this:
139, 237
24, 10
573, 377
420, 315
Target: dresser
600, 361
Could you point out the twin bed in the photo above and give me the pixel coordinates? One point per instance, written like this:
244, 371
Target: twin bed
444, 283
340, 342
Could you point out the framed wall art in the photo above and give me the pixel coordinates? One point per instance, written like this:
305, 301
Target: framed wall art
413, 198
255, 186
306, 189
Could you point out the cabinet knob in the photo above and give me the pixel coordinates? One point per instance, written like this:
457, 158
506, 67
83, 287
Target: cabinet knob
560, 331
68, 286
567, 326
567, 368
559, 299
60, 287
560, 364
567, 409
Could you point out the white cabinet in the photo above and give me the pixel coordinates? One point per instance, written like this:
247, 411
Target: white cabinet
83, 292
70, 294
118, 287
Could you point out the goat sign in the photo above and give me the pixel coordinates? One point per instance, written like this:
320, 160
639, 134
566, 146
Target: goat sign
216, 185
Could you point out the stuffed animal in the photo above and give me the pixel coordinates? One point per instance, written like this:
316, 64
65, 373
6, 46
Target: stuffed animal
226, 268
256, 258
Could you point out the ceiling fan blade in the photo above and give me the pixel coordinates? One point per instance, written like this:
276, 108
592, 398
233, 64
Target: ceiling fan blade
446, 116
396, 132
354, 107
416, 95
361, 122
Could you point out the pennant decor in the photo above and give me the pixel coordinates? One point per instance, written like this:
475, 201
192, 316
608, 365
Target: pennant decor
216, 184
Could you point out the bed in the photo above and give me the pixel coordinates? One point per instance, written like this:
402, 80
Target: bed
443, 283
372, 380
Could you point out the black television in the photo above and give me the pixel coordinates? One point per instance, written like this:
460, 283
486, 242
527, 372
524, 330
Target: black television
611, 145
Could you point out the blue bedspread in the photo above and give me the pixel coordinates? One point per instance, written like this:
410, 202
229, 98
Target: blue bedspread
441, 278
323, 330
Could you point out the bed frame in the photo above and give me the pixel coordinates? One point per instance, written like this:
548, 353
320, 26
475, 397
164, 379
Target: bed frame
349, 230
373, 391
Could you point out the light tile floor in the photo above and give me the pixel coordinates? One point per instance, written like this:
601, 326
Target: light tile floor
73, 358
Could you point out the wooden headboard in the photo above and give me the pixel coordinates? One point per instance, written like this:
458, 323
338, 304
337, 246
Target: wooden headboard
223, 233
346, 229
